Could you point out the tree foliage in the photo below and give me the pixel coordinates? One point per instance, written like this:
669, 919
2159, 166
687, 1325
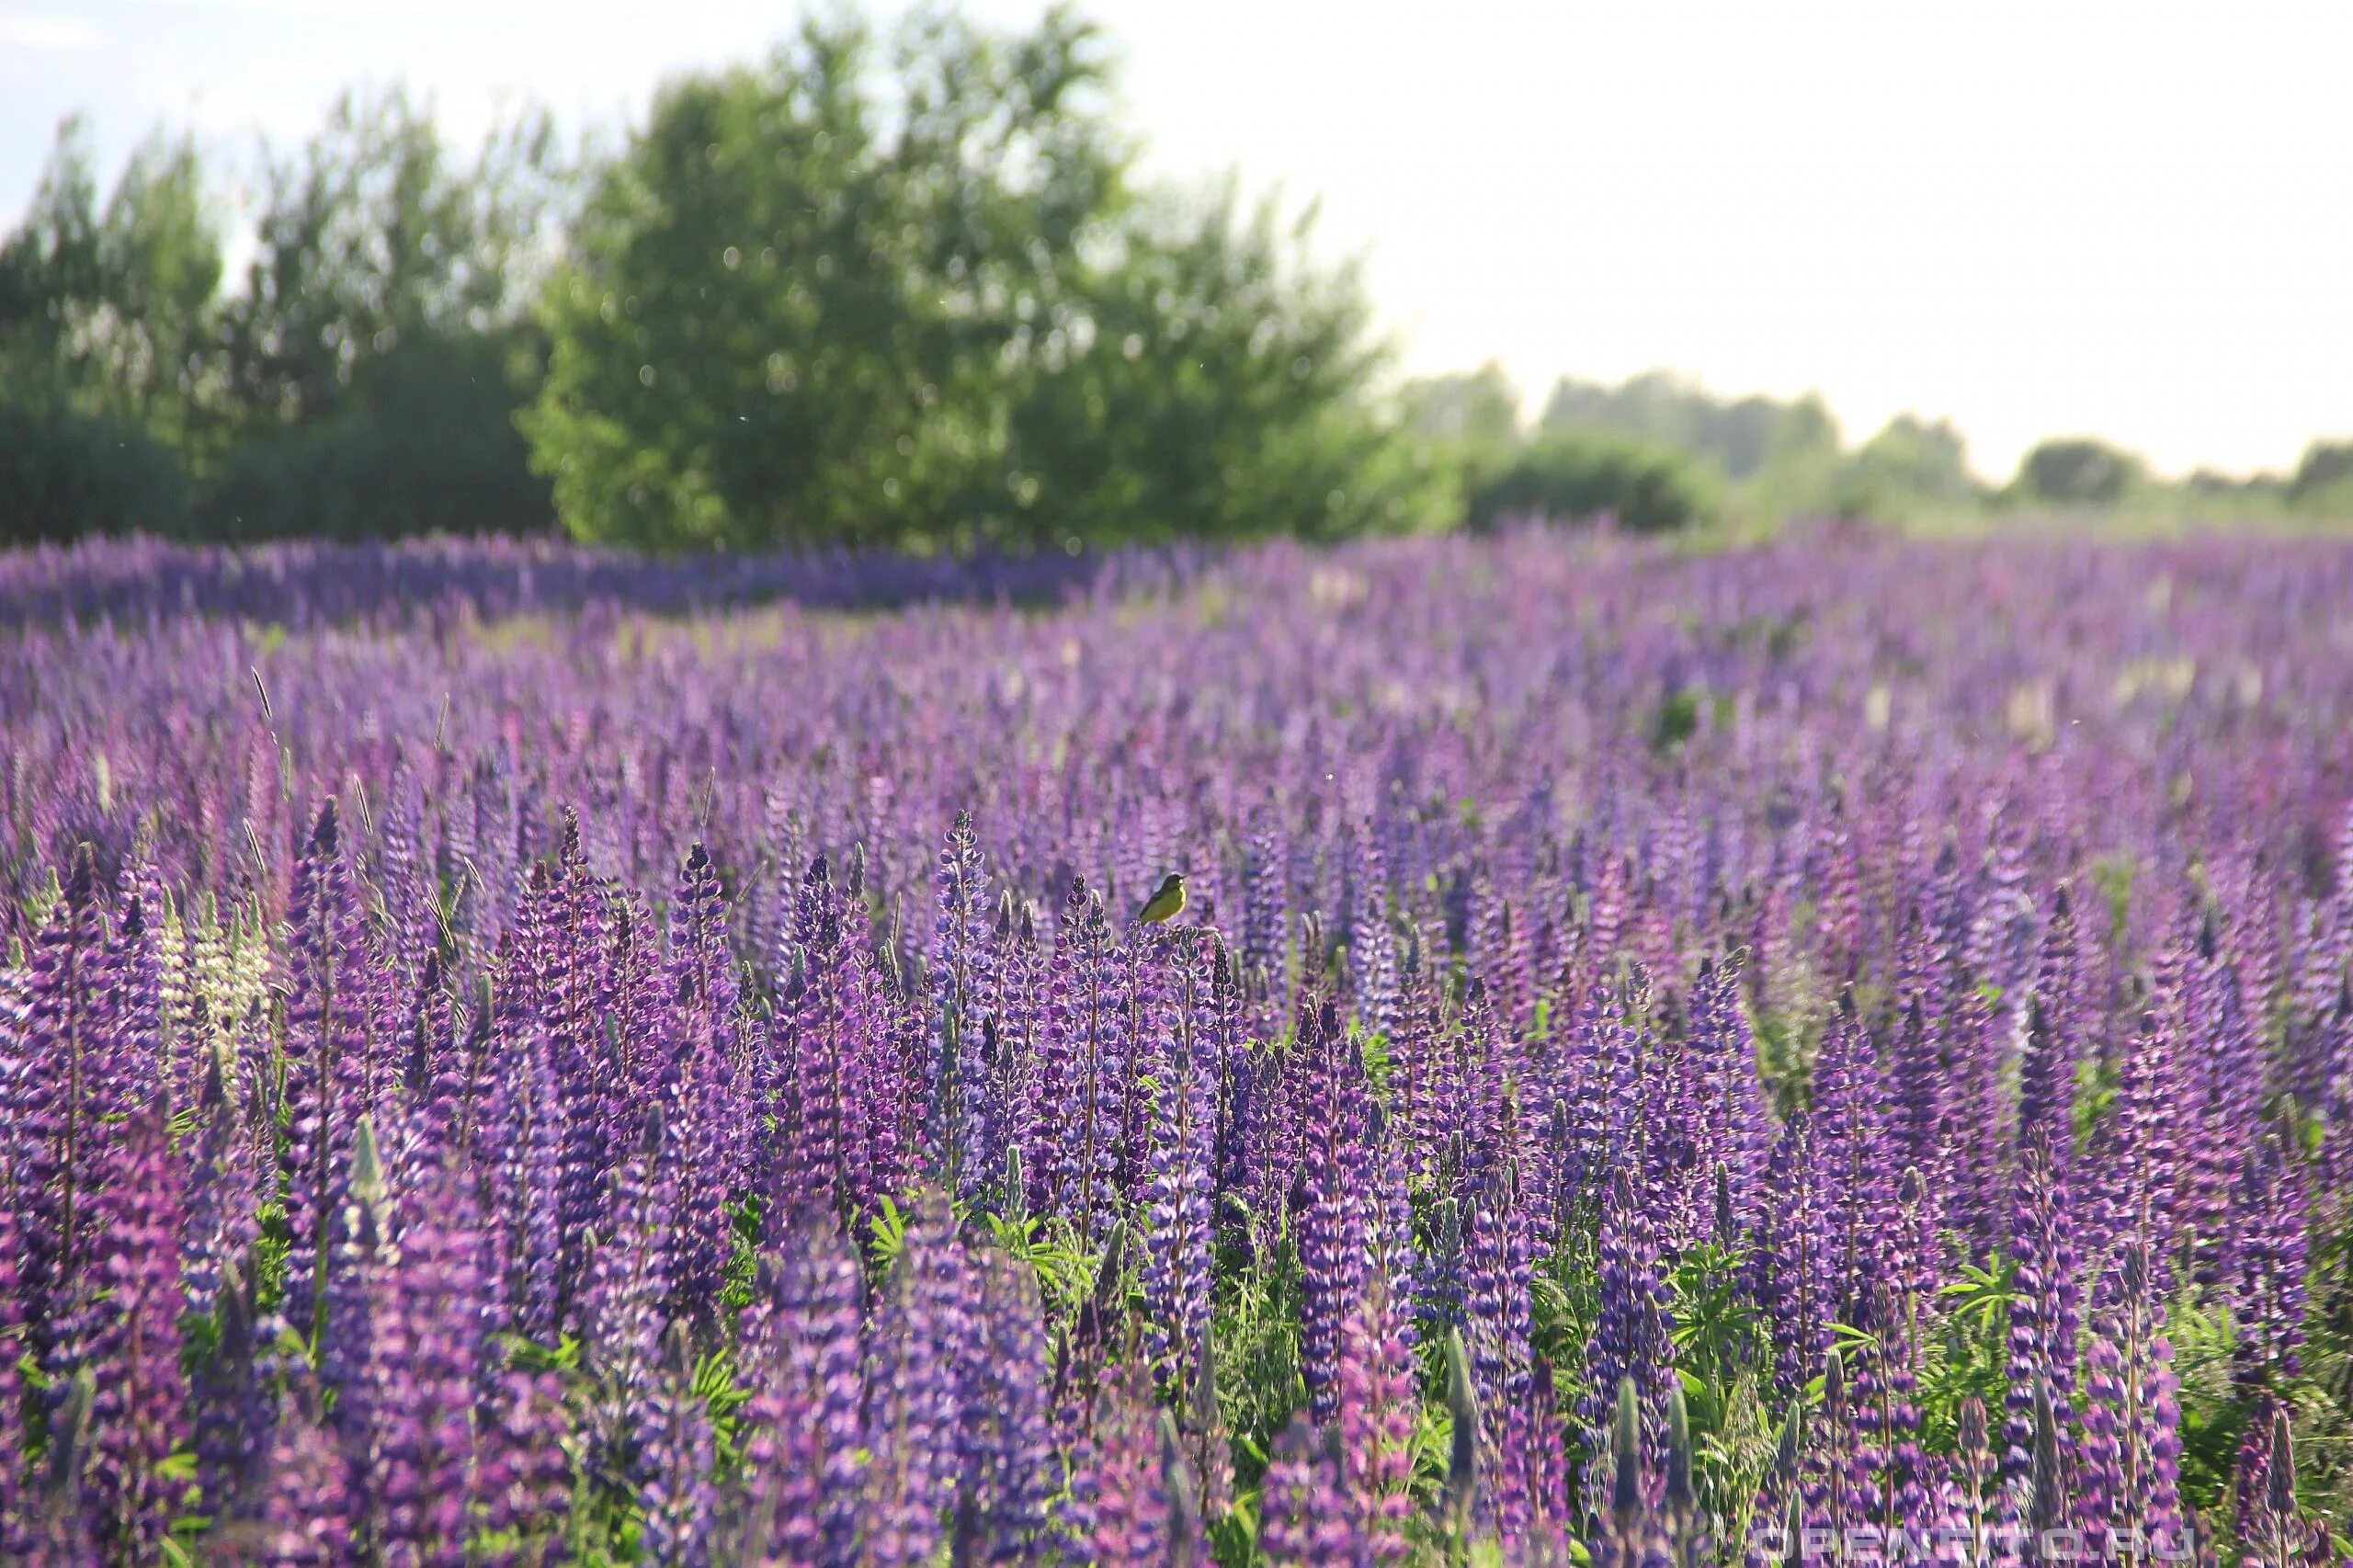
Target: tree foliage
2077, 470
904, 294
364, 380
1574, 475
64, 473
104, 306
1910, 464
372, 366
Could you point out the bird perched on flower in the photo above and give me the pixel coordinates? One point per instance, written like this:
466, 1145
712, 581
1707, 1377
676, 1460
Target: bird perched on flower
1166, 904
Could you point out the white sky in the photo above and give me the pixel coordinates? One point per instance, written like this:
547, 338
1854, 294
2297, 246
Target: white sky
2037, 218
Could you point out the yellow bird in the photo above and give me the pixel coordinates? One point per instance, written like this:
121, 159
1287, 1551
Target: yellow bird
1166, 904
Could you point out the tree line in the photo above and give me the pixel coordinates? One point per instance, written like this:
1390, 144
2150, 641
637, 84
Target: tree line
900, 291
1666, 452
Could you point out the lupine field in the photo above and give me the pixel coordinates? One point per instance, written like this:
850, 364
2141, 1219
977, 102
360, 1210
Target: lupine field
1835, 1050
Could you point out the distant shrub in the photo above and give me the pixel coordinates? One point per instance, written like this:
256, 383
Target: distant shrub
64, 475
2324, 480
2077, 472
1910, 467
1572, 475
428, 445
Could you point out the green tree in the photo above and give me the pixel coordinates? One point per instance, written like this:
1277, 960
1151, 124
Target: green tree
1741, 438
1909, 465
1574, 475
1479, 406
786, 309
2324, 479
104, 322
373, 234
1776, 458
105, 309
65, 475
2077, 470
373, 365
810, 305
1217, 390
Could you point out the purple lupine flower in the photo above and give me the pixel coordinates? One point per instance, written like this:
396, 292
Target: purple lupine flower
1613, 1101
2054, 1023
331, 1043
1627, 1532
1333, 1227
1788, 1274
1970, 1042
434, 1070
12, 1351
426, 1357
2039, 1503
1378, 1406
966, 1120
702, 978
1077, 1157
1011, 1467
1265, 910
1675, 1149
1498, 1326
1372, 947
1533, 1458
54, 1070
307, 1513
1149, 1026
1633, 1332
2264, 1265
1277, 1147
344, 1351
1915, 1252
1127, 1484
125, 1331
2142, 1162
676, 1495
1977, 1471
1725, 1048
2129, 1456
2223, 1074
704, 1129
1305, 1519
920, 1341
221, 1220
706, 1147
629, 1289
1922, 1088
236, 1401
410, 910
1892, 1464
1176, 1190
1777, 1515
522, 1475
1836, 1490
2272, 1530
805, 1424
572, 979
2045, 1314
1010, 1036
1417, 1068
814, 1073
1853, 1144
132, 1069
524, 1137
2334, 1097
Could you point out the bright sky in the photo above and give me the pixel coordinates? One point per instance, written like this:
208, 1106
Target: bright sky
2133, 220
